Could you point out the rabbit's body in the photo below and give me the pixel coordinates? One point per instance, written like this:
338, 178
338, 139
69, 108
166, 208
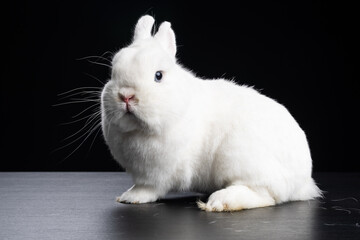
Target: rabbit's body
185, 133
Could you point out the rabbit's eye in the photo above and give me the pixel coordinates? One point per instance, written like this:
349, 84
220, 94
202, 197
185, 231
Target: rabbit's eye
158, 76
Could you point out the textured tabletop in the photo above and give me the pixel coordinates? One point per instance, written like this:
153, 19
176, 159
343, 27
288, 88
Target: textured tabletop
73, 205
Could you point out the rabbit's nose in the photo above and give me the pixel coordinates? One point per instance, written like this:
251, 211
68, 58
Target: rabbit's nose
126, 98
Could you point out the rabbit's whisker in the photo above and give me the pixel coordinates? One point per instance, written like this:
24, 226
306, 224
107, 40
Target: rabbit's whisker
89, 132
87, 123
79, 88
95, 78
94, 124
94, 93
101, 64
78, 120
74, 102
86, 109
97, 57
92, 143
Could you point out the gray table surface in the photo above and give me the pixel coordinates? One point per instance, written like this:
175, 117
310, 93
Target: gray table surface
81, 205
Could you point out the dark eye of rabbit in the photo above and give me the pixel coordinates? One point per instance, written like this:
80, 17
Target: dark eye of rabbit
158, 76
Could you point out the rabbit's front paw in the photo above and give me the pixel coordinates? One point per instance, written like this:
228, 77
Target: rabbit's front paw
137, 195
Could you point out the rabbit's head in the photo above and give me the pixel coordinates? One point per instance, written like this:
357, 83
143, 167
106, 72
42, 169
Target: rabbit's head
145, 91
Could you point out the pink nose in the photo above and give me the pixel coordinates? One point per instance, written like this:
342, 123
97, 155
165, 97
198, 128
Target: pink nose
126, 99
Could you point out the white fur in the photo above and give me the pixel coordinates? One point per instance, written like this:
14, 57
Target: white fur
186, 133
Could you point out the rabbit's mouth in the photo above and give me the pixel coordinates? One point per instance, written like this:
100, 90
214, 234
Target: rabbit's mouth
129, 109
129, 113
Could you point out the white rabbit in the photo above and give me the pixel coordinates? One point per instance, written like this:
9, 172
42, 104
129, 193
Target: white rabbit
175, 132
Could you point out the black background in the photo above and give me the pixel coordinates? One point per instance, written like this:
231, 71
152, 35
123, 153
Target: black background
299, 53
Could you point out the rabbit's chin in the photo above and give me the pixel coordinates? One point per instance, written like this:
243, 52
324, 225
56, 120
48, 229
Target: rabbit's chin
129, 123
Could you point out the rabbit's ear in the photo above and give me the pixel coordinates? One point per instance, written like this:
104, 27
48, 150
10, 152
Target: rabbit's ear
166, 36
143, 27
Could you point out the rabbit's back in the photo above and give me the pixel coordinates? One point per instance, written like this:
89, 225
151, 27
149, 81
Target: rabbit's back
249, 137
